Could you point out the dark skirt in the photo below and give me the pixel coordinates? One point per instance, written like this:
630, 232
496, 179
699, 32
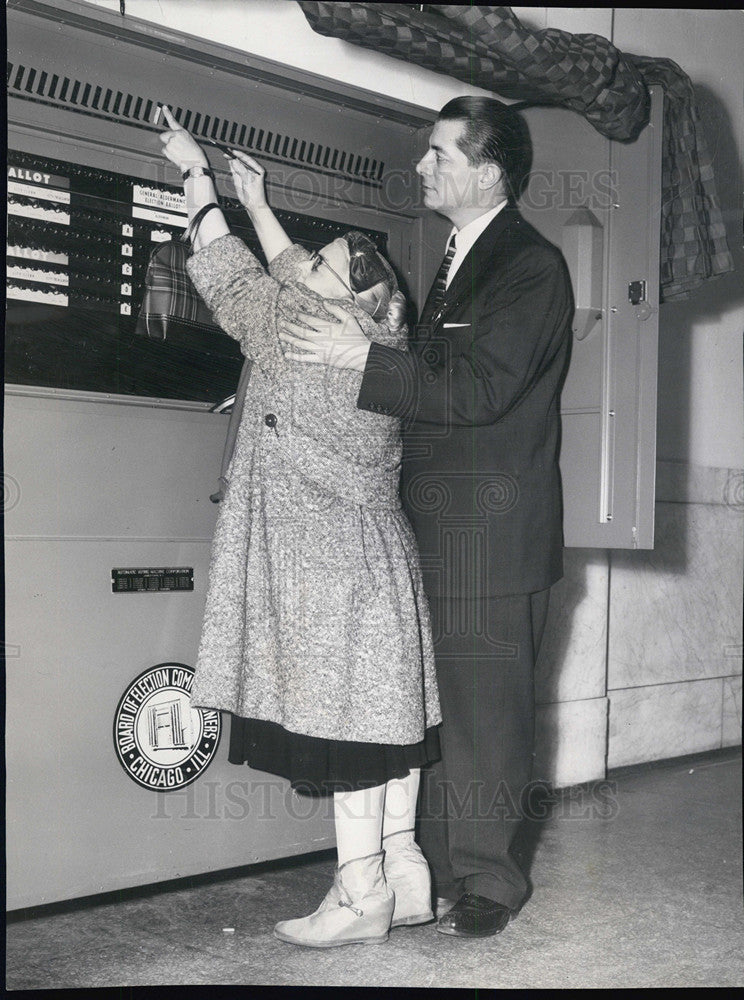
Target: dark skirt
319, 766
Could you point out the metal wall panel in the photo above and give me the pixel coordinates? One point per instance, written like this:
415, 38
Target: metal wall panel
102, 485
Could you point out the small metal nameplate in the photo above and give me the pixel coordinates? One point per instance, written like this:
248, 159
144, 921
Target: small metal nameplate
152, 580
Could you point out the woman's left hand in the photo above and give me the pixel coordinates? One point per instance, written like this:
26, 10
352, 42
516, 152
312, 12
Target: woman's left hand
179, 146
341, 345
249, 178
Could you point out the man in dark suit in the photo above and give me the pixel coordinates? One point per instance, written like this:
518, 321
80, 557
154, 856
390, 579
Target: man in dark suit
479, 396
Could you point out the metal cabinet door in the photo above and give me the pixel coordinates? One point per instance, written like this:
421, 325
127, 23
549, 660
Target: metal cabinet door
599, 201
101, 484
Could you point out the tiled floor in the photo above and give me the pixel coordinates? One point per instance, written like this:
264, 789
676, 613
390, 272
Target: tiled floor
638, 888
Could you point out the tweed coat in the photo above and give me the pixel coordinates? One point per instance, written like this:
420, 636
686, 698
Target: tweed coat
315, 617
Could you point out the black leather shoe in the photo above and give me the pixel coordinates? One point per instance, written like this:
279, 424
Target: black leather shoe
474, 916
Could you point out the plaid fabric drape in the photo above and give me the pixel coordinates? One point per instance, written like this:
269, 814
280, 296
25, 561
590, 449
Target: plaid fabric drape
489, 48
693, 235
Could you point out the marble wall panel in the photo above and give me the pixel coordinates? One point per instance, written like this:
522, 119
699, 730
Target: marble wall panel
571, 742
572, 661
685, 482
675, 610
731, 728
664, 720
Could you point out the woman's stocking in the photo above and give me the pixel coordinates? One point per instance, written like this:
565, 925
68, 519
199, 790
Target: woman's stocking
358, 819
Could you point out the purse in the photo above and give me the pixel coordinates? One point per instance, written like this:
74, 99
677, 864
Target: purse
172, 309
236, 404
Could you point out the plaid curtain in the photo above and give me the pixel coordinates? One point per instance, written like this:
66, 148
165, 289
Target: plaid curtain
489, 48
693, 234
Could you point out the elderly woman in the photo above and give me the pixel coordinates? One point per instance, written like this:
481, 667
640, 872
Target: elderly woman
316, 632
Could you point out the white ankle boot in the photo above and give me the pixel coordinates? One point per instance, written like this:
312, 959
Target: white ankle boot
356, 910
407, 874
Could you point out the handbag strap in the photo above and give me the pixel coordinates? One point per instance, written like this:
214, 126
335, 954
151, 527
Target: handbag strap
193, 226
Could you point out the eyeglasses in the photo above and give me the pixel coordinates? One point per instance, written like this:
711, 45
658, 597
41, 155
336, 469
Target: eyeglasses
317, 259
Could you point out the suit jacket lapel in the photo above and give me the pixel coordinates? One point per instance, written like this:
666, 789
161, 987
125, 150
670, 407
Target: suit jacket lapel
479, 259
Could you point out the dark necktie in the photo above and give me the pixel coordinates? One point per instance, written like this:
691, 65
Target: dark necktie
436, 296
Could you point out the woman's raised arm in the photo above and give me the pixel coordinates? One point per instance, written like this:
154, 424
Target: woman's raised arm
249, 178
198, 184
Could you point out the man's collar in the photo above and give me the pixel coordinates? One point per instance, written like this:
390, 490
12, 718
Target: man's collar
468, 236
480, 253
471, 231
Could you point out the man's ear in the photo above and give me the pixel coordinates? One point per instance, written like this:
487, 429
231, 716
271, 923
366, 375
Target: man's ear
490, 175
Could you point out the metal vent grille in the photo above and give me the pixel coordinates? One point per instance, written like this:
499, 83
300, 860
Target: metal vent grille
103, 102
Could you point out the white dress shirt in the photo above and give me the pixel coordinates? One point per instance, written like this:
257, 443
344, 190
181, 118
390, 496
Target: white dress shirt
467, 236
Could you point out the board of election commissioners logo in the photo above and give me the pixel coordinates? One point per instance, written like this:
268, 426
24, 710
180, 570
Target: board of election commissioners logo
161, 741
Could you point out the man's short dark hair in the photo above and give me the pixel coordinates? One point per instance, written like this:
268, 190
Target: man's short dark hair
494, 133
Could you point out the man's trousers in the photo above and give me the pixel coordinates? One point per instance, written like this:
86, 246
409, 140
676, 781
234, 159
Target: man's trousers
473, 798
